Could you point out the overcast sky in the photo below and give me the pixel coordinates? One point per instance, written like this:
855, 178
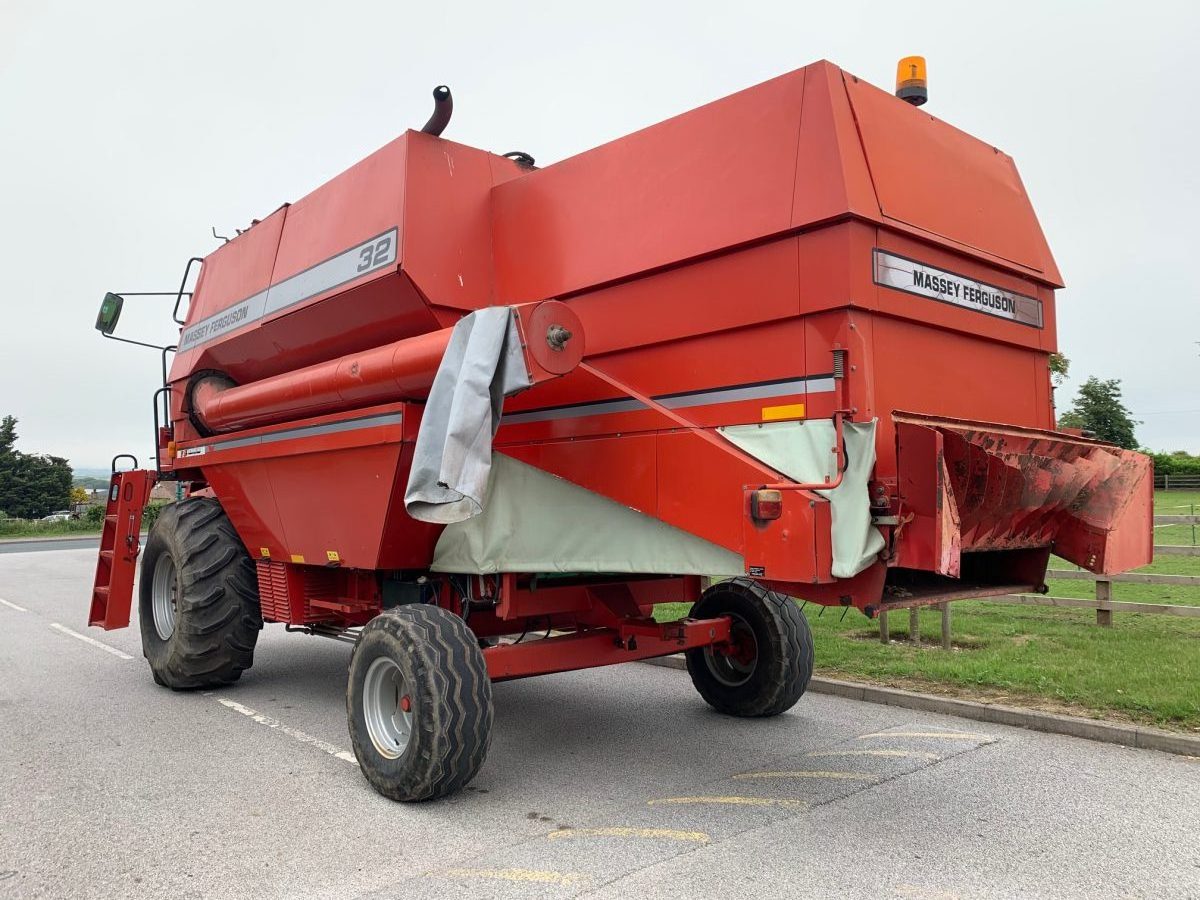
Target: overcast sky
127, 129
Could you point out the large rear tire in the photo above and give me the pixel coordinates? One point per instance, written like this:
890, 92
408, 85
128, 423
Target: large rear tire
767, 666
198, 598
419, 703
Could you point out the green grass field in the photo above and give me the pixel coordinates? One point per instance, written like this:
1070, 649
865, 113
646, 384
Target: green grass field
24, 529
1144, 669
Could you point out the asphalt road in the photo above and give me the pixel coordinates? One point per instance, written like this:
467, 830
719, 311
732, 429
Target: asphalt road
33, 545
613, 783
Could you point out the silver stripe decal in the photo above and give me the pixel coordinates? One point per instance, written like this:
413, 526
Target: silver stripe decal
756, 392
305, 431
574, 412
815, 385
370, 256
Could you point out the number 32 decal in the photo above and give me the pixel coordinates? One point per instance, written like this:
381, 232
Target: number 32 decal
375, 254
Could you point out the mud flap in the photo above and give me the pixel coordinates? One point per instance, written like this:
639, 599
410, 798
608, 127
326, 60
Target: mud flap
976, 486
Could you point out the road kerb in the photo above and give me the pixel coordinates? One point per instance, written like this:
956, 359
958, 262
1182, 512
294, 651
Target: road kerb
1074, 726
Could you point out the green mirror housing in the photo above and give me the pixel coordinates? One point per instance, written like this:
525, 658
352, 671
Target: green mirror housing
110, 313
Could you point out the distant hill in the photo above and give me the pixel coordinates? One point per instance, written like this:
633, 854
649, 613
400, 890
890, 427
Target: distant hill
85, 472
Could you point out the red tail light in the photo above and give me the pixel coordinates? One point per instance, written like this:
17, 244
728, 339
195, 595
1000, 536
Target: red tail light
766, 505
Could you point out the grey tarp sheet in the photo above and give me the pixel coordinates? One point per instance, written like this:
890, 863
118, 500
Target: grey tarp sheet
801, 451
533, 521
483, 363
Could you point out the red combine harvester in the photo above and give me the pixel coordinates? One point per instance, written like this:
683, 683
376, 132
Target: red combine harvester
795, 341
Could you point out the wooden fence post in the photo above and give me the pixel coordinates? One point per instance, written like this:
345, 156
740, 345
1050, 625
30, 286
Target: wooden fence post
1104, 597
884, 634
914, 625
945, 607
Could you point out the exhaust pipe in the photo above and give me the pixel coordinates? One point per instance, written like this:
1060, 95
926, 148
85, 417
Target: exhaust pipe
443, 107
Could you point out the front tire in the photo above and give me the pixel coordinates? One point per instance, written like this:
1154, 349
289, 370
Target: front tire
198, 598
767, 666
419, 703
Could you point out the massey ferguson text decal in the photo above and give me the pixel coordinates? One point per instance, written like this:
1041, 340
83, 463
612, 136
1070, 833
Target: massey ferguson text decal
377, 253
914, 277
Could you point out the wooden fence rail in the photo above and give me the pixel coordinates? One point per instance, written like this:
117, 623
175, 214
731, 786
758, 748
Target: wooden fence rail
1103, 603
1176, 550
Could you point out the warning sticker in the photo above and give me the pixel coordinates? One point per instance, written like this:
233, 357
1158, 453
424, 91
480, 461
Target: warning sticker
912, 277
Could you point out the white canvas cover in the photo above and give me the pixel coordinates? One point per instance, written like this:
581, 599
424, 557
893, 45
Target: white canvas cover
533, 521
802, 452
482, 364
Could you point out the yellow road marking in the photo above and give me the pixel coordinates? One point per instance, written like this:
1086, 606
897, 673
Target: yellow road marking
667, 834
729, 801
948, 735
538, 875
914, 754
846, 776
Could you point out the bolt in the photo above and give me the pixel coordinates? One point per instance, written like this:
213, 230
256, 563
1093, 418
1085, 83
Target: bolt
557, 337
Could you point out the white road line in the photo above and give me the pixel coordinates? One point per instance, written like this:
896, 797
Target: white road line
301, 736
87, 640
13, 606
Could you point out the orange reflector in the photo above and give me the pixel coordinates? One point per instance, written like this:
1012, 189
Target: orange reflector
170, 450
766, 505
787, 411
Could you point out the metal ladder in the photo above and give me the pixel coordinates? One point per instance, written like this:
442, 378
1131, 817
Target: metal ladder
120, 543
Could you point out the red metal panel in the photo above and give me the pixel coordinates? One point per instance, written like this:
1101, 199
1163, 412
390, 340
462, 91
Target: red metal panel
735, 290
831, 170
702, 181
932, 176
365, 200
237, 269
623, 469
796, 547
943, 315
448, 221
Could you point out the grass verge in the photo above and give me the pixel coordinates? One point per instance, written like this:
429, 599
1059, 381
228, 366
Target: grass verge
47, 529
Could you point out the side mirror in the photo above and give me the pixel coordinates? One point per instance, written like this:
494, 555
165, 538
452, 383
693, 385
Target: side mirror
110, 313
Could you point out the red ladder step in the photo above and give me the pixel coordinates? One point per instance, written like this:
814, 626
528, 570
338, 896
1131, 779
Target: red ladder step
120, 543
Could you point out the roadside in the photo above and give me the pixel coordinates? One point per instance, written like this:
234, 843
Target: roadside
29, 531
48, 538
1145, 670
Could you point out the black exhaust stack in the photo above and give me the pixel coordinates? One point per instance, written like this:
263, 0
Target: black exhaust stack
443, 106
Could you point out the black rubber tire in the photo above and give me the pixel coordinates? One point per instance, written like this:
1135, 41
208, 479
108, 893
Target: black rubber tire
217, 614
783, 664
451, 696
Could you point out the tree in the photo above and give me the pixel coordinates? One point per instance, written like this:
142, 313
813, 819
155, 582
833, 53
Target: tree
31, 485
1099, 409
79, 496
1060, 367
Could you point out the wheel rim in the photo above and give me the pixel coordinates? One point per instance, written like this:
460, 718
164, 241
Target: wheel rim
164, 596
387, 708
734, 664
